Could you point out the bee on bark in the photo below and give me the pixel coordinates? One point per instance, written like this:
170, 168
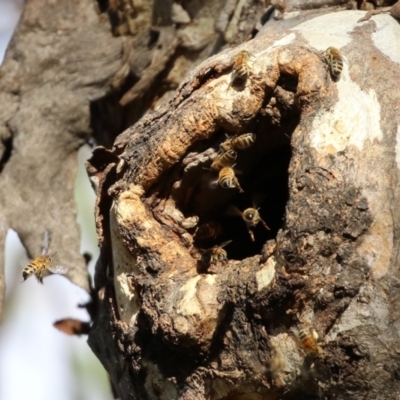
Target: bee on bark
240, 142
309, 342
334, 59
215, 254
241, 68
209, 230
39, 265
227, 179
226, 159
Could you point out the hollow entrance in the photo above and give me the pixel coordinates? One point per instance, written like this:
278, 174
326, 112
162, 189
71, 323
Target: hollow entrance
261, 169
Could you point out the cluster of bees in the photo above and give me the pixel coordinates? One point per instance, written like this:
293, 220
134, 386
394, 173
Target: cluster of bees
223, 165
225, 161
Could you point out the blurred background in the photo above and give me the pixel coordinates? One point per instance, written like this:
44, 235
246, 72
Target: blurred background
36, 360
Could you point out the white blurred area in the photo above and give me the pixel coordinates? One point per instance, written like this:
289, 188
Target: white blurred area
36, 360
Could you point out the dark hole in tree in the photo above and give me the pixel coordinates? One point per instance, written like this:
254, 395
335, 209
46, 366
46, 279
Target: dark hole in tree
103, 5
262, 171
153, 38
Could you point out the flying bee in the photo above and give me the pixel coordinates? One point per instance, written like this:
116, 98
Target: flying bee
227, 179
209, 230
240, 142
226, 159
215, 254
250, 216
334, 59
39, 265
241, 68
309, 342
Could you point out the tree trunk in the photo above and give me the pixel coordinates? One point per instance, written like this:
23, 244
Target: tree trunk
323, 172
51, 72
69, 77
172, 322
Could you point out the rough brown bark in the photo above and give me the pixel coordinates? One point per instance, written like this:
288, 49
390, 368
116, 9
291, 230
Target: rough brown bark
62, 80
165, 326
329, 263
51, 72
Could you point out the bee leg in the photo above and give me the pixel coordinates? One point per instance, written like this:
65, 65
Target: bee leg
223, 259
39, 277
237, 184
251, 234
265, 225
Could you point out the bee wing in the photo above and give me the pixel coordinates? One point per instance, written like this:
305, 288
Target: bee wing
58, 269
224, 243
233, 211
46, 242
258, 198
213, 184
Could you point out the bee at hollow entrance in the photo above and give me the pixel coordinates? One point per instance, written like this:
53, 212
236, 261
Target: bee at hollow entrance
210, 259
241, 70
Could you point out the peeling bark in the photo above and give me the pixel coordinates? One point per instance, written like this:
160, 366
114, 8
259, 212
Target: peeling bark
325, 168
51, 73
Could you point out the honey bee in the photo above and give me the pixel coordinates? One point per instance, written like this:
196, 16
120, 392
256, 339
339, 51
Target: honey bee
209, 230
334, 59
309, 342
226, 159
227, 179
241, 68
252, 218
215, 254
39, 265
240, 142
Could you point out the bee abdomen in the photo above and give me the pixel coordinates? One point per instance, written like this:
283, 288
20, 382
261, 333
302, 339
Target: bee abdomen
226, 159
243, 142
209, 230
336, 67
303, 334
334, 59
29, 270
228, 180
242, 71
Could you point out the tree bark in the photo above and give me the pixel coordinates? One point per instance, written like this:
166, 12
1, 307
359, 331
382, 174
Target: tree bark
51, 72
62, 81
323, 172
324, 169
